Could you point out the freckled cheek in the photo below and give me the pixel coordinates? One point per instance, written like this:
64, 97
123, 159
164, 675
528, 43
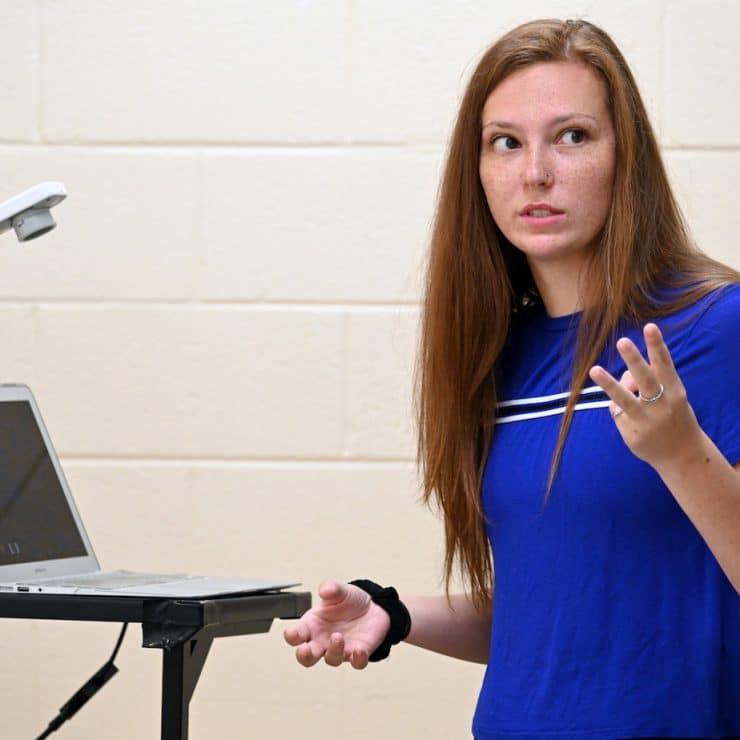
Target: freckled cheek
592, 187
500, 189
501, 208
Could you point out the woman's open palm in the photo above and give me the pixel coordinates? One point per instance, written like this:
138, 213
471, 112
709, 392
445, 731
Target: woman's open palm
347, 626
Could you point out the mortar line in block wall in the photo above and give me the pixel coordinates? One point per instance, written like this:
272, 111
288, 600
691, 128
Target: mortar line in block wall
204, 303
256, 463
191, 145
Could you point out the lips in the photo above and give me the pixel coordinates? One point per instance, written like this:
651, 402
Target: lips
540, 210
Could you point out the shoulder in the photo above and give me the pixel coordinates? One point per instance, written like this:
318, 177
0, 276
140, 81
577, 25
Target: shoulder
708, 367
716, 318
722, 305
702, 335
715, 312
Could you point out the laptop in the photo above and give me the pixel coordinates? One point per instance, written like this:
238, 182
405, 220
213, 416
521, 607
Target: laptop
44, 548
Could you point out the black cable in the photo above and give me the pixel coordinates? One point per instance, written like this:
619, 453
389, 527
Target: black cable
88, 690
118, 643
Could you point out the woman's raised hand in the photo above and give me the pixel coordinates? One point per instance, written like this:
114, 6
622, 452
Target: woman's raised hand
347, 626
649, 404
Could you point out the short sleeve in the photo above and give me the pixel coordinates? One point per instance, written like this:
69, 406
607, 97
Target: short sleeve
709, 367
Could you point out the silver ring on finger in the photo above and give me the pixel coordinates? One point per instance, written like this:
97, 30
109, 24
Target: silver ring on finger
615, 411
656, 397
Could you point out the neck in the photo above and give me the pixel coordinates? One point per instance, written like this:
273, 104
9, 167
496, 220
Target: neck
559, 285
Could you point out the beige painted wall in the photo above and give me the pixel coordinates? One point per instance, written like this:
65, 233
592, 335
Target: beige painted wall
220, 332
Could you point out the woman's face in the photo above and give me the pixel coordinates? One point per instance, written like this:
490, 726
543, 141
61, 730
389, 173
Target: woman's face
547, 160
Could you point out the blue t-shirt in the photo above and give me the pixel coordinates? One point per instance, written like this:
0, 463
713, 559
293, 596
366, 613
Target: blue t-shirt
611, 618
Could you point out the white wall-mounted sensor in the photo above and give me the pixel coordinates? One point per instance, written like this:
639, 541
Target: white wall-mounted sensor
28, 213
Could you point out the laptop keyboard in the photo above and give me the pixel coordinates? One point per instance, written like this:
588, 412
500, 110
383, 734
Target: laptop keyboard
114, 579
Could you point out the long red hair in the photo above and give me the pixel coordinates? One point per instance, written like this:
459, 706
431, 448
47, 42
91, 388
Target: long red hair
477, 280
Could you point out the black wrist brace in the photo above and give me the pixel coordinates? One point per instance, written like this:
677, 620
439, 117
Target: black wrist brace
387, 598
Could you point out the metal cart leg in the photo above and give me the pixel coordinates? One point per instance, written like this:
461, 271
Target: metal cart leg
181, 668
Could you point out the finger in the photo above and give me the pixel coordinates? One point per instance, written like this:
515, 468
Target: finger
658, 352
359, 659
628, 381
616, 391
332, 592
308, 654
297, 634
334, 655
641, 372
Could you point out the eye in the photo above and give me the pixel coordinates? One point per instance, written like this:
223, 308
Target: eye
504, 143
574, 136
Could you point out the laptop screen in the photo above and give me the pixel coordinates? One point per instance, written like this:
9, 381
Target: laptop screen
35, 520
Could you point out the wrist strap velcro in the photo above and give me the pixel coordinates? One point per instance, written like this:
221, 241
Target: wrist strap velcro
387, 599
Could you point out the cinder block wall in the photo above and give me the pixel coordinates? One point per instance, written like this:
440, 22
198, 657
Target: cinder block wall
221, 331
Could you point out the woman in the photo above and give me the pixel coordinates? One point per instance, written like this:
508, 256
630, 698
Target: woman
579, 419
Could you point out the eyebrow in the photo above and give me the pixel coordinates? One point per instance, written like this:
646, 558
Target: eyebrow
552, 122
